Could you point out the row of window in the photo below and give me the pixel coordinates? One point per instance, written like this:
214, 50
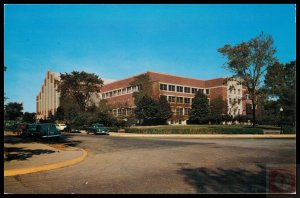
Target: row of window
122, 111
181, 111
166, 87
234, 100
179, 99
122, 91
233, 91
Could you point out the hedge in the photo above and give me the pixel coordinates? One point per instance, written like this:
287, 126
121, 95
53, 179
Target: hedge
113, 129
194, 130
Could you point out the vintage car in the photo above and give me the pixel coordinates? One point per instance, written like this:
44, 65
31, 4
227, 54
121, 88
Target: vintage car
97, 129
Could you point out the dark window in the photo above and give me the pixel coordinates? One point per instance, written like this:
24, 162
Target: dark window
187, 90
163, 87
171, 88
163, 96
194, 90
171, 98
201, 90
187, 100
179, 89
179, 99
187, 111
207, 91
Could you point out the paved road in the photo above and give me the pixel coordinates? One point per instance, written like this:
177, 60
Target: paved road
162, 165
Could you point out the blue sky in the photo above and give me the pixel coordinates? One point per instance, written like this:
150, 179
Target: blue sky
118, 41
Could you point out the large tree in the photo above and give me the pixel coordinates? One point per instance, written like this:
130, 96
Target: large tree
164, 110
146, 110
249, 62
80, 86
200, 109
280, 84
13, 110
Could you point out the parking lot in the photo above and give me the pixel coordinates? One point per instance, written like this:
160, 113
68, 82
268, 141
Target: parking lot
163, 165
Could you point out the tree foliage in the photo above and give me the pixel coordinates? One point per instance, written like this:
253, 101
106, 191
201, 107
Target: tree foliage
79, 86
13, 110
29, 117
151, 111
280, 83
249, 61
200, 109
145, 86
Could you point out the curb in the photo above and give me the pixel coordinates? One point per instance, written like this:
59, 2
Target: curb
47, 167
259, 136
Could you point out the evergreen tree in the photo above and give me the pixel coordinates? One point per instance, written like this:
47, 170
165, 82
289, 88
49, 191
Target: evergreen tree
200, 110
164, 110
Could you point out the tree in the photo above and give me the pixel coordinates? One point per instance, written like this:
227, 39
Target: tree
218, 107
50, 117
29, 117
200, 110
13, 110
146, 110
249, 62
59, 114
280, 83
145, 86
80, 86
164, 110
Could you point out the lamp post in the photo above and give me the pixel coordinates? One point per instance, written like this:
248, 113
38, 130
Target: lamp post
281, 110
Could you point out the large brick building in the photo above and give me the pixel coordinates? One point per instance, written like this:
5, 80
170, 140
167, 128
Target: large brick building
178, 90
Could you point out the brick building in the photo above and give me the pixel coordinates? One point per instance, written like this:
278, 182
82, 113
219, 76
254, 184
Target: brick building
178, 90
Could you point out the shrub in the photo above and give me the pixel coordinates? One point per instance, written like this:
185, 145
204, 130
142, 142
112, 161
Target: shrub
113, 129
194, 130
289, 130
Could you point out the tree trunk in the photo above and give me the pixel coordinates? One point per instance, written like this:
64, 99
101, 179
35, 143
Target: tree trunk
253, 114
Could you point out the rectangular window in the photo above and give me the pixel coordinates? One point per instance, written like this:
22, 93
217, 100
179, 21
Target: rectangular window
187, 111
110, 94
103, 96
163, 87
128, 89
207, 91
187, 90
201, 90
124, 91
171, 98
173, 109
119, 92
171, 87
187, 100
179, 89
239, 91
134, 89
194, 90
179, 111
163, 96
179, 99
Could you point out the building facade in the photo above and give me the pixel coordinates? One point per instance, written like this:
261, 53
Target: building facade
178, 90
47, 99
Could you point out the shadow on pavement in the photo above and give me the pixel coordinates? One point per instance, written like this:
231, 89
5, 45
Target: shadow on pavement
64, 139
19, 153
221, 180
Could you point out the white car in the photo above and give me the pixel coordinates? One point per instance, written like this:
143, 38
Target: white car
61, 127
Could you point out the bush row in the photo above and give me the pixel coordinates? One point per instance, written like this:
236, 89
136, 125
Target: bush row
113, 129
203, 130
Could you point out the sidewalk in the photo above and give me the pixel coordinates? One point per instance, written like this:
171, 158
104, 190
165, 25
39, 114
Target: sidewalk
22, 157
203, 135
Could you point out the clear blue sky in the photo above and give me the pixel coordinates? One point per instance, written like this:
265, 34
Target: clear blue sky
118, 41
